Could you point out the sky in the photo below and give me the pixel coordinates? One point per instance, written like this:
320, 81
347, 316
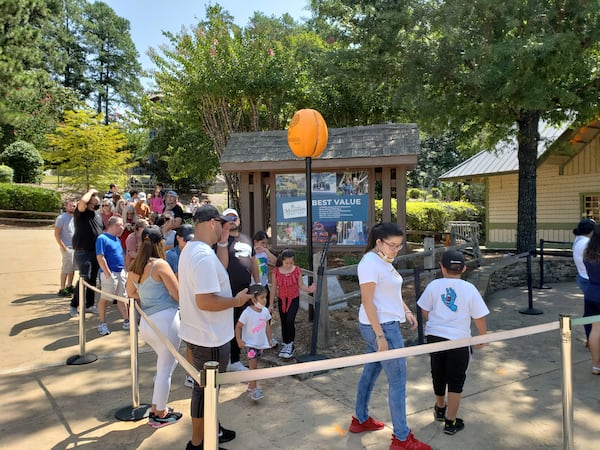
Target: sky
148, 18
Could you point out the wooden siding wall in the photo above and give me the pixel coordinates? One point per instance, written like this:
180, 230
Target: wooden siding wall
559, 192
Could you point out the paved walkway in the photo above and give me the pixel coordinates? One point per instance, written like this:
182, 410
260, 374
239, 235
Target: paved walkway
512, 397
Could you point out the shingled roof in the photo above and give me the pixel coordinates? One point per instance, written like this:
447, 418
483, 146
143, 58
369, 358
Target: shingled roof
390, 144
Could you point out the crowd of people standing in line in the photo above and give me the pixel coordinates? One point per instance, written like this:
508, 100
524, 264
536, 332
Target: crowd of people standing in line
207, 284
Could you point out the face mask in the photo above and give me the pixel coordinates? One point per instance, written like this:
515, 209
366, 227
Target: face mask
386, 258
259, 306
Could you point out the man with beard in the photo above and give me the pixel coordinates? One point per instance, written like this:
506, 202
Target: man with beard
237, 255
172, 204
88, 226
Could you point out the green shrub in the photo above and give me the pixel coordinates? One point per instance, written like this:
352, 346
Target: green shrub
25, 160
28, 198
415, 194
430, 216
464, 211
436, 193
6, 174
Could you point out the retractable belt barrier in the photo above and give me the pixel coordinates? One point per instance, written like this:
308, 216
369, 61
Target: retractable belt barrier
211, 379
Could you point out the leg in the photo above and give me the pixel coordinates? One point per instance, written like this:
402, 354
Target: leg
235, 350
457, 363
395, 371
594, 343
252, 365
453, 404
63, 281
368, 377
90, 295
283, 320
291, 319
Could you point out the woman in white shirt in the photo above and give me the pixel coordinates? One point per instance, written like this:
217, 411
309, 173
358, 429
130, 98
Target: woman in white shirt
583, 232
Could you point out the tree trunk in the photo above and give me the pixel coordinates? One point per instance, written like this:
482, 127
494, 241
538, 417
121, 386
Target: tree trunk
527, 137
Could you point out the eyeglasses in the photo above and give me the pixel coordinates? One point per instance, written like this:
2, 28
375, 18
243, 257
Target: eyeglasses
396, 247
105, 205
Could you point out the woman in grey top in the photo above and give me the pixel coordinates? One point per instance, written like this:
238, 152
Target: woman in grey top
152, 282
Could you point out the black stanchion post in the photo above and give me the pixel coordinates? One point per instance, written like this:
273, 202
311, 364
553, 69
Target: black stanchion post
542, 285
530, 310
417, 275
135, 411
82, 358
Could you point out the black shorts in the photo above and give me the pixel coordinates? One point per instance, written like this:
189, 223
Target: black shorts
201, 355
449, 367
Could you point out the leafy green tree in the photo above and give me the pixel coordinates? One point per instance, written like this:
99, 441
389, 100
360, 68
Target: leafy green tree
438, 155
219, 78
484, 69
20, 52
25, 160
113, 66
6, 174
88, 152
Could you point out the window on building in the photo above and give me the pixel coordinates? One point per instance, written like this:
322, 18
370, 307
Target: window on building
591, 206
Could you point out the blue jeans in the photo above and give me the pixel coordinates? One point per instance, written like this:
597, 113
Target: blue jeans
395, 370
583, 283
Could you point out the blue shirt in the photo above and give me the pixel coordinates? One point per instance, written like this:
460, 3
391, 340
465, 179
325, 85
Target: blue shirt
172, 258
110, 246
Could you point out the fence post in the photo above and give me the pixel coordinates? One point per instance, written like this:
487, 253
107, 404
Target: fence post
542, 285
567, 382
211, 390
530, 309
135, 411
429, 246
82, 358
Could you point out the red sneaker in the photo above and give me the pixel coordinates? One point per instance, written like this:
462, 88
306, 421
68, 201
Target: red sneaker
368, 425
409, 444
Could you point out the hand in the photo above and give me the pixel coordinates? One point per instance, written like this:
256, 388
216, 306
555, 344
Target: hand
241, 344
382, 344
312, 288
242, 297
412, 320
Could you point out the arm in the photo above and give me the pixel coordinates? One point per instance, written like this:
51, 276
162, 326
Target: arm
223, 246
367, 293
130, 286
269, 335
84, 200
238, 334
214, 302
303, 287
165, 274
481, 326
103, 264
254, 270
273, 291
410, 316
61, 244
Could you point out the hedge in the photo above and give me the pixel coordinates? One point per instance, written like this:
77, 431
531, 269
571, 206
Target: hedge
28, 198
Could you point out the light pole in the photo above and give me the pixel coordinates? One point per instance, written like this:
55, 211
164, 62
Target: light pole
307, 138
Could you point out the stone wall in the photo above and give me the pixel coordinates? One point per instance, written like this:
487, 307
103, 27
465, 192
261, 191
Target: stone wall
513, 272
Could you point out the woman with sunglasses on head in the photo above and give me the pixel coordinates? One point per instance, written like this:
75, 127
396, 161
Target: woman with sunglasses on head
154, 286
382, 310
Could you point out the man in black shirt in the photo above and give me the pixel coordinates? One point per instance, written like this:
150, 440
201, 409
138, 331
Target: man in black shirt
172, 204
237, 255
88, 226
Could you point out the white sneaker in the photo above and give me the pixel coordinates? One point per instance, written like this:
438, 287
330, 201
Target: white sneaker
285, 348
236, 367
92, 310
73, 311
189, 382
103, 329
125, 324
289, 351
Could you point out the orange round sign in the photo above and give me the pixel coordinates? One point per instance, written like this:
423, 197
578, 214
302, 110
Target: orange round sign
307, 134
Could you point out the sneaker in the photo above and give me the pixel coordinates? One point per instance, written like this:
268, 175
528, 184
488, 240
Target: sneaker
125, 324
63, 292
92, 309
409, 444
159, 422
453, 426
368, 425
189, 446
103, 329
439, 414
283, 353
289, 351
256, 394
70, 290
73, 311
189, 382
225, 435
236, 367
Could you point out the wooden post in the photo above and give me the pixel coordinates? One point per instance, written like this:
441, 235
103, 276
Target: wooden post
429, 246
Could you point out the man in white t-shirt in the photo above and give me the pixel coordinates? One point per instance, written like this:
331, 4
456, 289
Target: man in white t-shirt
206, 306
448, 305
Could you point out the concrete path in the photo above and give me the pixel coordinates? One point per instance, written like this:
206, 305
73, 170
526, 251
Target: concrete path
512, 397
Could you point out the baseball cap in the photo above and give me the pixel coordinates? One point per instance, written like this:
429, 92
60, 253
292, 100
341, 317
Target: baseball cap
186, 231
586, 226
206, 212
231, 212
173, 193
453, 260
153, 233
142, 196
